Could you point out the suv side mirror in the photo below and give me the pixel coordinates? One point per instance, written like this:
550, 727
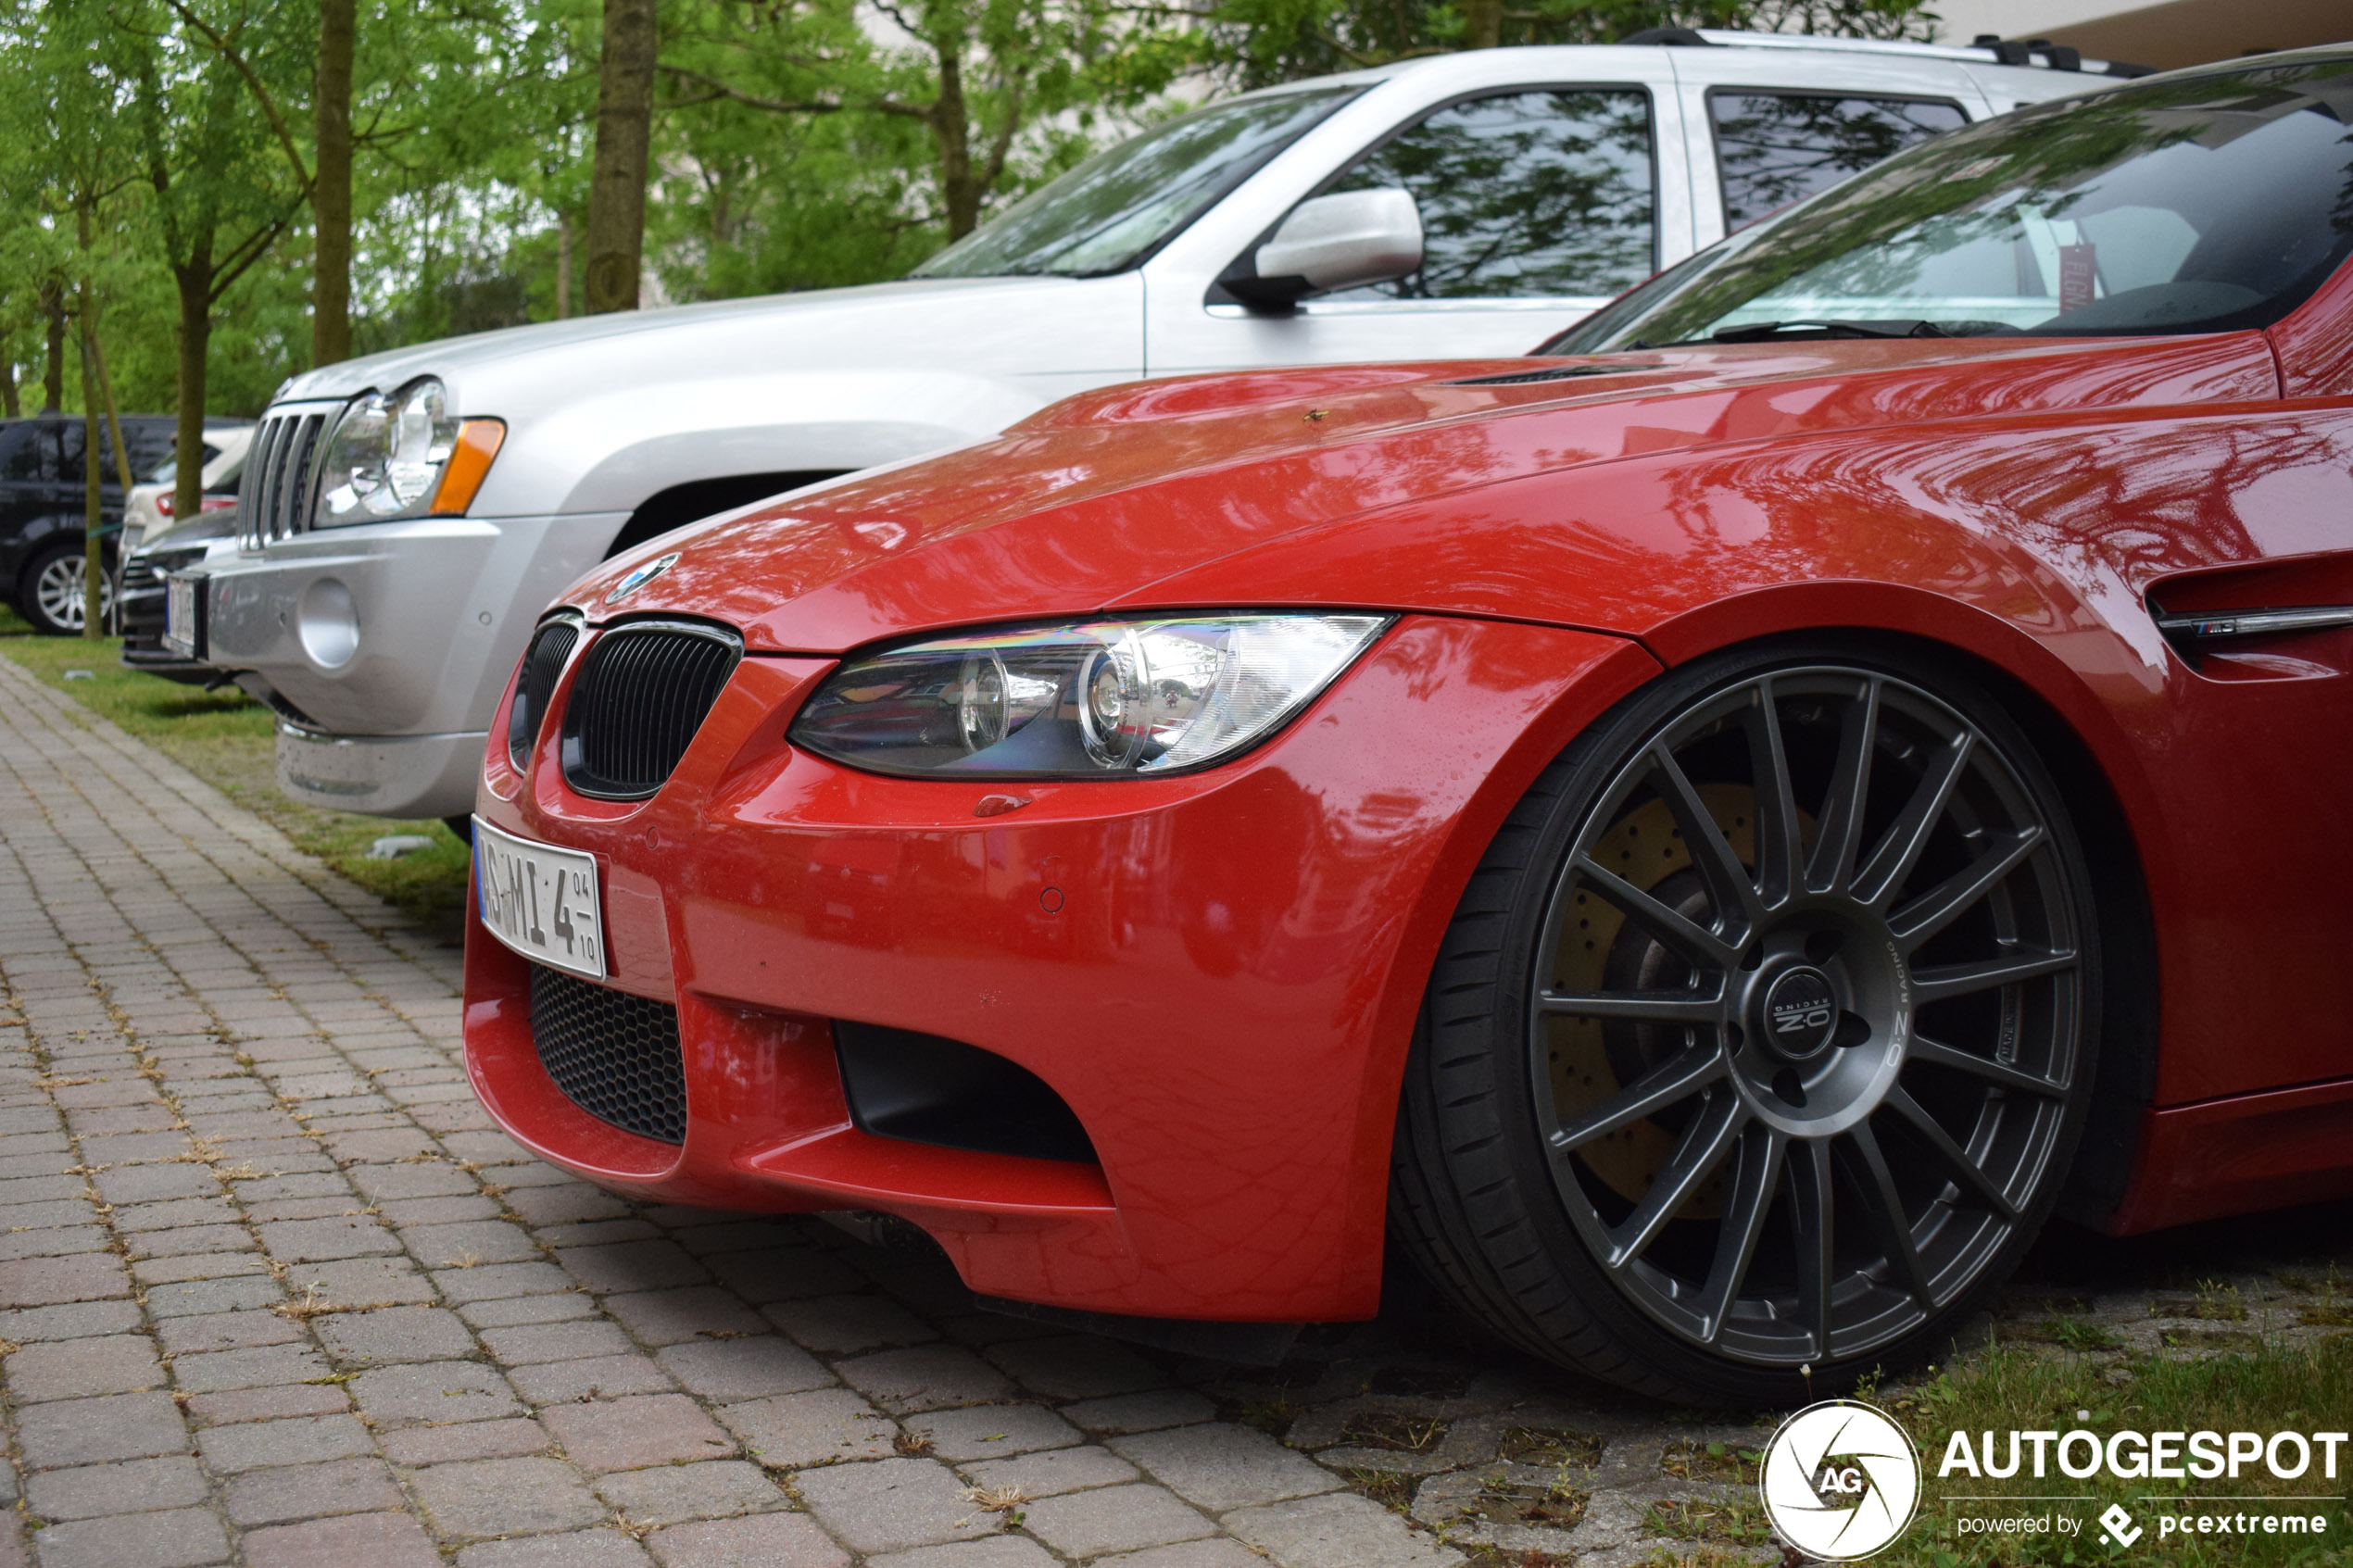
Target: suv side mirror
1334, 242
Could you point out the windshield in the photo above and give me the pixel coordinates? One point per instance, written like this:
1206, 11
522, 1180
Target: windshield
1111, 211
2192, 205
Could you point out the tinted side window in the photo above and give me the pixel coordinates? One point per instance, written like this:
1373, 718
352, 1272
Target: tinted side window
1774, 148
1524, 194
65, 437
20, 454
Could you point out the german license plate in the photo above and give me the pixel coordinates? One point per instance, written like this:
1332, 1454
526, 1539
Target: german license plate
540, 900
184, 615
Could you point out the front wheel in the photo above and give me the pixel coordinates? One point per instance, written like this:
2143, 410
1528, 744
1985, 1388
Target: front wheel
52, 591
1758, 1050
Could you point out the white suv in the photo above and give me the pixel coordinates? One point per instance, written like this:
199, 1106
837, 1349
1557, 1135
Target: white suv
406, 515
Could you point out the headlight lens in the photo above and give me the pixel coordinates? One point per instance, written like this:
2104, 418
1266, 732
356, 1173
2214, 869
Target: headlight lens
1084, 699
385, 457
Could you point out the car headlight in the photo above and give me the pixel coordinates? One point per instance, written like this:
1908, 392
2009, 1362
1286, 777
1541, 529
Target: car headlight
1081, 699
403, 456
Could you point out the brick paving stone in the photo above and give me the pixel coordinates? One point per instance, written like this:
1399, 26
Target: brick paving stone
260, 1367
136, 1485
630, 1433
78, 1320
321, 1241
1000, 1552
743, 1369
278, 1403
759, 1540
987, 1432
1217, 1552
671, 1494
443, 1391
890, 1504
366, 1281
186, 1538
791, 1431
75, 1369
631, 1266
499, 1497
1113, 1519
533, 1343
923, 1378
42, 1282
1220, 1466
298, 1440
367, 1541
395, 1335
674, 1317
1054, 1471
1340, 1530
595, 1377
1141, 1412
227, 1331
493, 1281
1077, 1367
94, 1431
511, 1311
469, 1244
577, 1549
285, 1493
843, 1326
509, 1438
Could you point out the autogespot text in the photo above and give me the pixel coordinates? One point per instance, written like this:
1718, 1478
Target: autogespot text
2201, 1456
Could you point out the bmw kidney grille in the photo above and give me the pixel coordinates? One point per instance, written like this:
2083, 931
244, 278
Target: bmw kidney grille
644, 689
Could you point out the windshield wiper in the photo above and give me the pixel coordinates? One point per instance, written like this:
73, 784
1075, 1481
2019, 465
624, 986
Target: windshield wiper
1760, 332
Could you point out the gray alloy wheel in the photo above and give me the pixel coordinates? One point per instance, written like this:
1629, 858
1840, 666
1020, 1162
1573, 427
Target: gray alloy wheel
53, 599
1789, 1028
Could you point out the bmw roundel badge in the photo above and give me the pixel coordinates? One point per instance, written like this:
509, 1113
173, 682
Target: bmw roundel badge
640, 577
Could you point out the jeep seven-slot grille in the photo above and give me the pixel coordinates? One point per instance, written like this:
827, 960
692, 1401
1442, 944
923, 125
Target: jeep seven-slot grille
613, 1055
273, 502
644, 689
543, 666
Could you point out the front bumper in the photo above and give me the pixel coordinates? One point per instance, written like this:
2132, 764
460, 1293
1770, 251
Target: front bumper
1218, 974
379, 776
395, 637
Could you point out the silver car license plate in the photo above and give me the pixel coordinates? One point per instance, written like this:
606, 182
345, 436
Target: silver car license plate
540, 900
184, 615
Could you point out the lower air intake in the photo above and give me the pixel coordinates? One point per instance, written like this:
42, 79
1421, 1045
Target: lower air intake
613, 1055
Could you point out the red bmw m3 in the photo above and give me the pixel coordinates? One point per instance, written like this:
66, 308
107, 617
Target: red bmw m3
1707, 838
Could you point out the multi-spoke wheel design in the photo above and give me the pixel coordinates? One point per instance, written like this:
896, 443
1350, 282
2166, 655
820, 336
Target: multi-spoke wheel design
53, 598
1794, 978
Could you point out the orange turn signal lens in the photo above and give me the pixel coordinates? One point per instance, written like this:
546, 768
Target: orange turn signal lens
469, 465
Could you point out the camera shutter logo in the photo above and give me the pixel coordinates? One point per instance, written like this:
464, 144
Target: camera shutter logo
640, 577
1840, 1480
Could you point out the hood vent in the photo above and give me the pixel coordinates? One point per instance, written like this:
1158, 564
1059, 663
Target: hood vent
643, 691
1558, 372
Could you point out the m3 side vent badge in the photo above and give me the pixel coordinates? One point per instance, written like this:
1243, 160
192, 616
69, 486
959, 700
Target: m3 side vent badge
640, 577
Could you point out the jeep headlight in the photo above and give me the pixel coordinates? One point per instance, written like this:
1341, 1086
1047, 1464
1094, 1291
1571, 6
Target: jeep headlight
403, 456
1133, 697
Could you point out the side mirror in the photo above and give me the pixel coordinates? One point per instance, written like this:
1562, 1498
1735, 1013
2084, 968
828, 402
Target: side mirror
1335, 242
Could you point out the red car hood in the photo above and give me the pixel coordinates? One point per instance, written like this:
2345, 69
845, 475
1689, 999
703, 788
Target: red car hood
1092, 501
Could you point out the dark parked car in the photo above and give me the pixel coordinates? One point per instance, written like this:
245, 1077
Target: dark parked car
42, 504
139, 599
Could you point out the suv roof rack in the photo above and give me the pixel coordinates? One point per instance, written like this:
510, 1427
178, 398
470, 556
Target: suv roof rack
1986, 48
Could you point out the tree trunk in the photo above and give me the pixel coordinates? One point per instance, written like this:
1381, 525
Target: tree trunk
624, 131
94, 369
93, 539
563, 265
331, 192
195, 277
53, 370
1482, 23
10, 406
953, 132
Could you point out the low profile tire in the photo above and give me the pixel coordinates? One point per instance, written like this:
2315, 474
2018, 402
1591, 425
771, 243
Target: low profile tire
1758, 1050
51, 591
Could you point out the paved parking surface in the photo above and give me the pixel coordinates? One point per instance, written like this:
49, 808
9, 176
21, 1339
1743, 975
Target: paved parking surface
273, 1291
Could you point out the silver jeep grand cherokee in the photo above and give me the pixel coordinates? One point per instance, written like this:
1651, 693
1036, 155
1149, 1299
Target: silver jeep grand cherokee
407, 515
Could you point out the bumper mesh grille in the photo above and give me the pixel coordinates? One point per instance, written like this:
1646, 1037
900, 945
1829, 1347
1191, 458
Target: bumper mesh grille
642, 690
543, 665
273, 501
613, 1055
